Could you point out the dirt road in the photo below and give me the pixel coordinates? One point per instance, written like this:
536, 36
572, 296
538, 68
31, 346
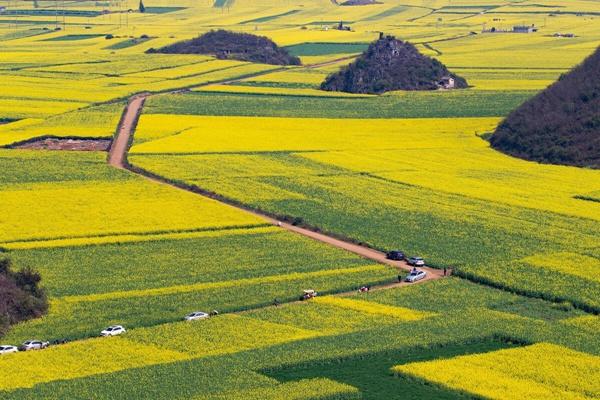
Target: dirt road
120, 145
118, 157
362, 251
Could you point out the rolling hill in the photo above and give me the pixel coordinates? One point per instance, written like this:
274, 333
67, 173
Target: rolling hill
561, 125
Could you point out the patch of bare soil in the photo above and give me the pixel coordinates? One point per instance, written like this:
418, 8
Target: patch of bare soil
66, 144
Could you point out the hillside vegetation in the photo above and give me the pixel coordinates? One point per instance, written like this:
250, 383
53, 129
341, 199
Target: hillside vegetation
561, 125
233, 46
391, 64
20, 297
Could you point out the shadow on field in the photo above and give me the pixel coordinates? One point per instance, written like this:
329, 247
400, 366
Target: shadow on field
372, 376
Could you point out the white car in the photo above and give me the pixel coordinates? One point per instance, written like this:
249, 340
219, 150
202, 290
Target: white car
415, 275
33, 345
416, 261
6, 349
196, 315
113, 331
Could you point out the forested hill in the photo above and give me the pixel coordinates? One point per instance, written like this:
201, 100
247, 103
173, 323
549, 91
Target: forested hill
390, 64
561, 125
232, 45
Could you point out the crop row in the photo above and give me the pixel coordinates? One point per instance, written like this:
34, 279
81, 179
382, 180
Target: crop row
208, 258
86, 315
416, 105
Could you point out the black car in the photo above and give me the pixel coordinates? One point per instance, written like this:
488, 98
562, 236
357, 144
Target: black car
395, 255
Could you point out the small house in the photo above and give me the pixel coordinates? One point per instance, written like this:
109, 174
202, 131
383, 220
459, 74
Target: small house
447, 82
524, 29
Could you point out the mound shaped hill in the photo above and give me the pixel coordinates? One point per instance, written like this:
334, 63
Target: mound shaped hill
232, 45
561, 125
391, 64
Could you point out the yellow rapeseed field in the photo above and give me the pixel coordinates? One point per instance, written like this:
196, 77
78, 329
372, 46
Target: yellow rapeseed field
222, 335
137, 206
80, 359
400, 313
537, 372
247, 134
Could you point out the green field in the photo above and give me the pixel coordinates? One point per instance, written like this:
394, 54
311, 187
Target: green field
418, 105
387, 214
405, 170
320, 49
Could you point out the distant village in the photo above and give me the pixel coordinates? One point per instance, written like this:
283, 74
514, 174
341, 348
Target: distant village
524, 29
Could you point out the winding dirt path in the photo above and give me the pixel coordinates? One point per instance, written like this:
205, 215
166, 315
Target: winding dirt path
365, 252
118, 159
120, 145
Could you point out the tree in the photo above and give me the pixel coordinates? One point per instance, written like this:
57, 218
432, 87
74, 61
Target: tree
142, 7
21, 297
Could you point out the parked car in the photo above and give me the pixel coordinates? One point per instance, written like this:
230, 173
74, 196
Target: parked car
33, 345
7, 349
308, 294
395, 255
415, 275
416, 261
113, 331
196, 315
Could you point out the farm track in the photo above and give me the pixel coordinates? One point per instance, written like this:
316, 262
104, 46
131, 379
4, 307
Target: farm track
118, 159
120, 145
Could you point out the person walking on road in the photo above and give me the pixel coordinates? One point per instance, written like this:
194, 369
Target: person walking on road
445, 270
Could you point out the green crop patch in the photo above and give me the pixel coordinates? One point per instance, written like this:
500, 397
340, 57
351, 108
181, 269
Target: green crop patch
162, 10
124, 44
465, 103
270, 18
370, 373
319, 49
68, 38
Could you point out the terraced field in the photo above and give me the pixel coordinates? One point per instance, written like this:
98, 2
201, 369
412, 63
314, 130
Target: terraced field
407, 170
